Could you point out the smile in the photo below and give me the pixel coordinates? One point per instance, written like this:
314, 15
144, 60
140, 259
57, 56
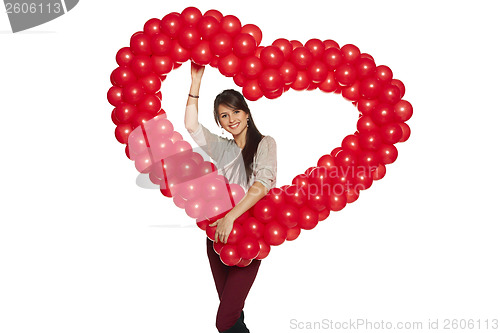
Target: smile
234, 126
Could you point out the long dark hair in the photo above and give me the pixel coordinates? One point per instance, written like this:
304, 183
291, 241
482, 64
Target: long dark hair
235, 100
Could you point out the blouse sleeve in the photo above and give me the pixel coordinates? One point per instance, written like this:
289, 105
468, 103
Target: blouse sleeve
265, 169
211, 143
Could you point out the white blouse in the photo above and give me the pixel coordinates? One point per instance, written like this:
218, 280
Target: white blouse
229, 161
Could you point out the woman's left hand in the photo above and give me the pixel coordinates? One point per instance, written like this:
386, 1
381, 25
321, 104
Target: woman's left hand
224, 228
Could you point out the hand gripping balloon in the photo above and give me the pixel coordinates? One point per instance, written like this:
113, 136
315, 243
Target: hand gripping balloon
193, 183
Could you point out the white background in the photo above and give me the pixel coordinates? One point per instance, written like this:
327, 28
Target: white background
84, 249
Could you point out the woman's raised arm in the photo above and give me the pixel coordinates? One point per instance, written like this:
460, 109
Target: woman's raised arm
191, 115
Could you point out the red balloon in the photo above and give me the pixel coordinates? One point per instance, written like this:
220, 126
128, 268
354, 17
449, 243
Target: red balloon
248, 248
142, 65
379, 172
140, 44
326, 161
195, 208
201, 53
318, 201
288, 72
352, 195
345, 74
365, 67
217, 246
406, 132
272, 56
244, 45
370, 140
178, 53
390, 94
302, 81
240, 79
293, 233
133, 93
351, 93
150, 104
391, 133
337, 201
208, 26
323, 215
162, 64
362, 179
330, 44
301, 57
296, 44
308, 218
274, 94
295, 195
264, 249
161, 44
121, 76
124, 112
333, 58
191, 15
329, 84
317, 71
229, 65
402, 111
171, 24
215, 14
124, 56
382, 114
115, 95
316, 46
252, 91
288, 215
254, 31
365, 106
151, 83
270, 80
366, 123
368, 159
251, 67
345, 158
229, 255
141, 118
237, 233
231, 25
275, 233
264, 211
189, 37
253, 227
370, 87
400, 85
285, 46
383, 73
351, 142
350, 53
277, 196
221, 44
387, 153
122, 132
202, 224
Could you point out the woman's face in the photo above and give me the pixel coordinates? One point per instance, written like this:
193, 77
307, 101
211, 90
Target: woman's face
233, 121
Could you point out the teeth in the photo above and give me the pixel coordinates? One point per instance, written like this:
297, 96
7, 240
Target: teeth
234, 126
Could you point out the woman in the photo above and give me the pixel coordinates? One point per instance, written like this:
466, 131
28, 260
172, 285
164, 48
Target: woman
249, 159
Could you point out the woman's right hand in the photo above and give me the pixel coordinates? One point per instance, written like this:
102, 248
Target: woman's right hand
196, 71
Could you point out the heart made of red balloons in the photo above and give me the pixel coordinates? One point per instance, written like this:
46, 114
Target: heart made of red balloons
193, 183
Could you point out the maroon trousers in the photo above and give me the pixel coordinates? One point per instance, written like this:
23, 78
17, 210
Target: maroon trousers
233, 284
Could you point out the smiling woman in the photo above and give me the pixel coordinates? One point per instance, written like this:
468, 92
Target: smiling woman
249, 159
